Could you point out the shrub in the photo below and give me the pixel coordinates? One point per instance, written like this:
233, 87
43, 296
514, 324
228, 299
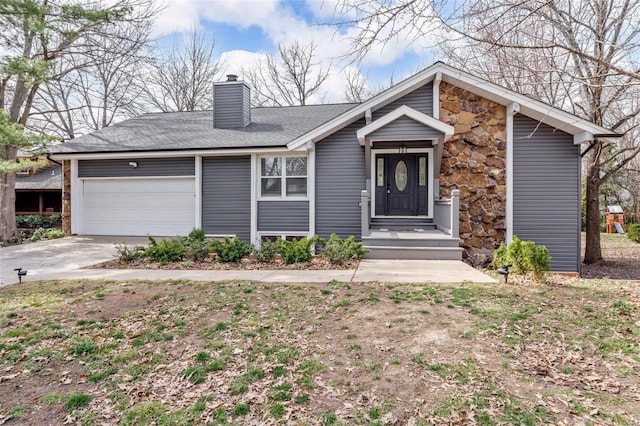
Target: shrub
536, 259
633, 232
126, 254
37, 221
267, 251
230, 250
338, 251
166, 251
47, 234
297, 250
196, 248
523, 256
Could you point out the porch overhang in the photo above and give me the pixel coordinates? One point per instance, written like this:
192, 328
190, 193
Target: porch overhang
404, 111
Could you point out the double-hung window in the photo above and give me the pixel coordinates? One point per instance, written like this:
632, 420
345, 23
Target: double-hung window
283, 177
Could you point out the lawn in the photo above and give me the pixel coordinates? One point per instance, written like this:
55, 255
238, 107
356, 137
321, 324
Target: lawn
137, 353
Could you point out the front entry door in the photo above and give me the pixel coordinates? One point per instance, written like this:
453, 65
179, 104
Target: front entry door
401, 184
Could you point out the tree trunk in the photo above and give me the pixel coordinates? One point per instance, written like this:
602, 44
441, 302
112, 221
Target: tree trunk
593, 252
8, 229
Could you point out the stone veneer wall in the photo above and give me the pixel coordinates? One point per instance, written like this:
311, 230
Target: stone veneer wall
473, 161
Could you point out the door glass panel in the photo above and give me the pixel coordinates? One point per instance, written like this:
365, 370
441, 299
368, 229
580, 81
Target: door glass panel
380, 173
422, 171
401, 175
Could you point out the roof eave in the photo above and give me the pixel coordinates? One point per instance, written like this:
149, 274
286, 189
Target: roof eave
535, 109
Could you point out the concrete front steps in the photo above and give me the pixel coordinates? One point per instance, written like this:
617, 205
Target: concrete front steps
424, 243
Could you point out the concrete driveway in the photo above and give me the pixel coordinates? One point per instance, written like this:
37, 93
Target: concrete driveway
66, 258
43, 259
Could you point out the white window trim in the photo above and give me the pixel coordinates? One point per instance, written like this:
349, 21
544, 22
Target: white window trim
282, 234
283, 187
430, 193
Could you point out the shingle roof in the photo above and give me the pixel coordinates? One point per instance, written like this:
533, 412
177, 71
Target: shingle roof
50, 178
270, 127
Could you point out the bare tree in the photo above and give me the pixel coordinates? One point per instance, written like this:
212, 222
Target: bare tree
37, 36
288, 79
96, 95
183, 80
356, 90
585, 56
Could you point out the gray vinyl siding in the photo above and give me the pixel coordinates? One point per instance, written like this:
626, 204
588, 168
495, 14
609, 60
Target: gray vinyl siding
420, 99
146, 167
226, 196
231, 105
283, 216
340, 177
546, 188
405, 128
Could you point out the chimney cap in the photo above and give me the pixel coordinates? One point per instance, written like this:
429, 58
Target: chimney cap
232, 77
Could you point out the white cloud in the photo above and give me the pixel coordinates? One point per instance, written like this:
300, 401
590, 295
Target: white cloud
280, 24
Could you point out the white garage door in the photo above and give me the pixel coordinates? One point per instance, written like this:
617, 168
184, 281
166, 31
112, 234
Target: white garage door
157, 207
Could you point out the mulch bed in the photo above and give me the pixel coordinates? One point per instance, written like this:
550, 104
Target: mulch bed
316, 263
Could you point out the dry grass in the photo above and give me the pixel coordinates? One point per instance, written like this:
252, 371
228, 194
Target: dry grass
336, 353
622, 259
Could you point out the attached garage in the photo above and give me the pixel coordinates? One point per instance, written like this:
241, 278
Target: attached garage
136, 197
161, 207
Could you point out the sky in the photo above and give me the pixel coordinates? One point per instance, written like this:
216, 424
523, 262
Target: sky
246, 30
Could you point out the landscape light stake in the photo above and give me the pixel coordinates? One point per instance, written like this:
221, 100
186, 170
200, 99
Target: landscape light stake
21, 274
505, 271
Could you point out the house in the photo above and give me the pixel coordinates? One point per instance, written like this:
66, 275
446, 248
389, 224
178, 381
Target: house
39, 191
442, 165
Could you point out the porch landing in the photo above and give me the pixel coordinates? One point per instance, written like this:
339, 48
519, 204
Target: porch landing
412, 244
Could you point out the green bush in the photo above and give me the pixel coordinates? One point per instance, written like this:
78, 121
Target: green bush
524, 257
633, 232
166, 251
231, 250
266, 252
37, 221
126, 254
297, 250
338, 251
47, 234
196, 248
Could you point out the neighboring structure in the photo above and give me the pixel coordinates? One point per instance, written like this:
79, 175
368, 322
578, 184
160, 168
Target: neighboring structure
443, 164
39, 192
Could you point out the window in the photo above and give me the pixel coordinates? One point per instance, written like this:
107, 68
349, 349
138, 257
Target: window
283, 177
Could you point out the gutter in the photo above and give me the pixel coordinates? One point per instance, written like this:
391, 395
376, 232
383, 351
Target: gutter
595, 141
53, 161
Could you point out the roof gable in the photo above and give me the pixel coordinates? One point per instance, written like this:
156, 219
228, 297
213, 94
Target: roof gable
404, 111
530, 107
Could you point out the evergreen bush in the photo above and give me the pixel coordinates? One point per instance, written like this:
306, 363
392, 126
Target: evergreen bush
231, 250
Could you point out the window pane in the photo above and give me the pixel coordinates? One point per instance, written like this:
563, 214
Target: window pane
422, 171
296, 166
271, 187
296, 186
271, 166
